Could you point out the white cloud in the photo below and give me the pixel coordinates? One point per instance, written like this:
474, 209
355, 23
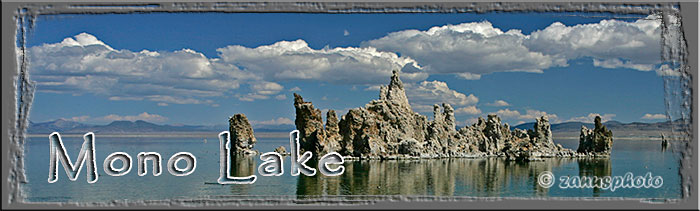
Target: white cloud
250, 97
617, 63
295, 89
427, 93
591, 117
534, 114
476, 48
295, 60
78, 118
84, 64
373, 88
165, 99
278, 121
661, 70
610, 42
530, 114
654, 116
498, 103
281, 97
666, 70
472, 49
508, 114
162, 104
346, 32
142, 116
261, 91
470, 110
267, 88
469, 76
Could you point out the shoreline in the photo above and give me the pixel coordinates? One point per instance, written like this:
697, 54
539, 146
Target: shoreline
273, 135
164, 135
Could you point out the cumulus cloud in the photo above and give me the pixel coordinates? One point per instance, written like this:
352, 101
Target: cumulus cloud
498, 103
508, 114
469, 76
654, 116
638, 43
476, 48
278, 121
267, 88
373, 88
666, 70
261, 91
295, 60
83, 64
530, 114
145, 116
427, 93
617, 63
472, 49
78, 118
591, 117
281, 97
470, 110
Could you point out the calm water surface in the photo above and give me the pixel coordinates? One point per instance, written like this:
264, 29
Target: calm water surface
487, 177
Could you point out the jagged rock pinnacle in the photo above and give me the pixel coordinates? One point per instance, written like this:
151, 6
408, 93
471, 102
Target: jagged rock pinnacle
241, 133
395, 93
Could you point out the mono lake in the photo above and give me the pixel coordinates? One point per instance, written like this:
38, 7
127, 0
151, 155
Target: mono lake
483, 177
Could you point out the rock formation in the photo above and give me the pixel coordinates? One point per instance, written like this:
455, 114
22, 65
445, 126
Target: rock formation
333, 137
379, 129
309, 122
388, 128
597, 141
241, 133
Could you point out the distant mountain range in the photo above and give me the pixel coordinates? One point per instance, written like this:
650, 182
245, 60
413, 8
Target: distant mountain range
619, 129
141, 127
612, 125
138, 126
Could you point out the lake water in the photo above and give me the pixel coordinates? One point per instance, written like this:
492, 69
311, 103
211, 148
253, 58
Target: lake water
487, 177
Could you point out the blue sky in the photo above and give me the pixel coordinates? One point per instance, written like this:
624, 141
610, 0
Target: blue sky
201, 68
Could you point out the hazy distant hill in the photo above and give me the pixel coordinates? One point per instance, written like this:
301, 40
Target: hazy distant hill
57, 125
618, 128
138, 126
274, 128
143, 127
576, 126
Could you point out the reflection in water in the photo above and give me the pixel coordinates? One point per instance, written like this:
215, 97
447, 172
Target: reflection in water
454, 177
598, 167
488, 177
440, 177
242, 166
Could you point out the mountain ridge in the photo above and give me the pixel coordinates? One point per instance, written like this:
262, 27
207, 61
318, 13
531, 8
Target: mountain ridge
140, 126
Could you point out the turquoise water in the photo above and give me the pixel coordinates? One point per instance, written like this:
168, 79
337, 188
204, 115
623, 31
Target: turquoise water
487, 177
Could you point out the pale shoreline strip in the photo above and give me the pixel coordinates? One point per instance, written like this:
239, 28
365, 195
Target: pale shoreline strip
271, 135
